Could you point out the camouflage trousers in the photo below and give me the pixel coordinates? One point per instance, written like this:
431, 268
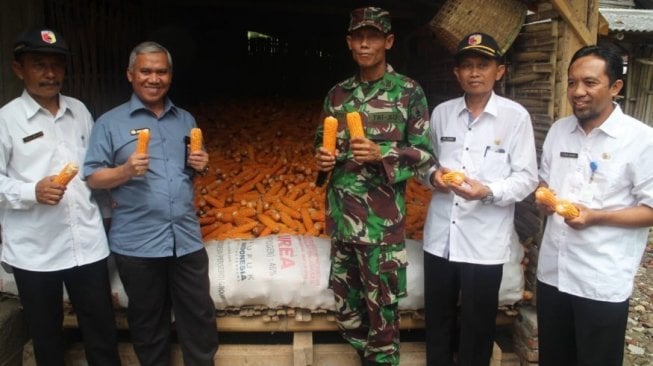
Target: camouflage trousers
368, 281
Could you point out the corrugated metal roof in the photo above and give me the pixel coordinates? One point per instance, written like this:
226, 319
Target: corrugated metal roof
628, 20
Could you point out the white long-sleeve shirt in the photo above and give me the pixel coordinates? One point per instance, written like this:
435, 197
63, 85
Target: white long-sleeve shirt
498, 149
35, 144
598, 262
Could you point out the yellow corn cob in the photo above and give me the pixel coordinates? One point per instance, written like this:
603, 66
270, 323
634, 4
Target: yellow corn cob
453, 177
567, 210
143, 141
355, 125
66, 174
329, 134
195, 139
545, 196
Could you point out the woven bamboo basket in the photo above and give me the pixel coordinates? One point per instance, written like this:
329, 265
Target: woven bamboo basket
501, 19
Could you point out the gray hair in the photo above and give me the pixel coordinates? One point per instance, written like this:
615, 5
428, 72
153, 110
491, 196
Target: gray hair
147, 47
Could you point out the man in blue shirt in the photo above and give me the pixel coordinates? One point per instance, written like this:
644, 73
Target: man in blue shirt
155, 234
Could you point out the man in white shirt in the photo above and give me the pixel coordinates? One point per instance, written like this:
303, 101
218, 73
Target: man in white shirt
467, 232
52, 233
602, 160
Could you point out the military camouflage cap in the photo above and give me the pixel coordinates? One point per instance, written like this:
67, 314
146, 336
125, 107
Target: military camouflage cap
370, 17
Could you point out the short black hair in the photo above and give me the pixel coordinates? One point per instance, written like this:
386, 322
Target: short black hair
612, 57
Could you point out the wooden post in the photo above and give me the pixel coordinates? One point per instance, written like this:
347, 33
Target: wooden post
302, 348
580, 28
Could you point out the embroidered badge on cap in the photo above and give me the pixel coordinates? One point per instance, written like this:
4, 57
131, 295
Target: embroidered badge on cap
475, 39
48, 37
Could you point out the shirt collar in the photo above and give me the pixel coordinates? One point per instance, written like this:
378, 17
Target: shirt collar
384, 82
135, 104
32, 107
491, 107
610, 126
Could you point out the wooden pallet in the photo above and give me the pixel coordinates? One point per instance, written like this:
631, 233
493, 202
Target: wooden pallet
301, 353
281, 320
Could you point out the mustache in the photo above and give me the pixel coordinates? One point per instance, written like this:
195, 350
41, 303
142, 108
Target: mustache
50, 83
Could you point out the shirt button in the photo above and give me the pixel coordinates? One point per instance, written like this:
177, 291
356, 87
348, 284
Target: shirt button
463, 167
453, 222
467, 148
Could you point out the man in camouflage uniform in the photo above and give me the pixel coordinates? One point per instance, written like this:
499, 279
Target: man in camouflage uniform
365, 196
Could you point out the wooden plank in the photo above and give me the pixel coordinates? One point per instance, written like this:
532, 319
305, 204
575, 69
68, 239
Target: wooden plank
529, 56
250, 355
604, 26
345, 355
537, 27
523, 79
495, 360
237, 323
412, 354
302, 348
579, 27
254, 324
541, 15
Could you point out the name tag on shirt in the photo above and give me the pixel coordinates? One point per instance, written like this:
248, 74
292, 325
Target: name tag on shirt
29, 138
385, 117
568, 155
447, 139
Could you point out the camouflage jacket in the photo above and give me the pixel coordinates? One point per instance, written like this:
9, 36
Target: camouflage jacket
365, 201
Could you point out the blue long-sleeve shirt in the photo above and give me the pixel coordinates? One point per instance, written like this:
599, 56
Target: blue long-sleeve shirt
153, 215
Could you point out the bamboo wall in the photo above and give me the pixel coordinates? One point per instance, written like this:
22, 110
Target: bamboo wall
532, 83
639, 86
100, 34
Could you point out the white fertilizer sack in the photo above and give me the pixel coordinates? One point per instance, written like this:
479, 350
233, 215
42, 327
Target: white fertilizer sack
293, 271
287, 270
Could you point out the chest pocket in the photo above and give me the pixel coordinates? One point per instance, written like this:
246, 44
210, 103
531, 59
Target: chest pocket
33, 143
610, 178
385, 126
495, 165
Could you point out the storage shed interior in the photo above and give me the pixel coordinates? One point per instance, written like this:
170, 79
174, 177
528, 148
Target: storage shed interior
239, 48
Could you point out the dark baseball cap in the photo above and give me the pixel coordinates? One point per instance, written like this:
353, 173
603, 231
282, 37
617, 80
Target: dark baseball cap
40, 40
370, 17
480, 43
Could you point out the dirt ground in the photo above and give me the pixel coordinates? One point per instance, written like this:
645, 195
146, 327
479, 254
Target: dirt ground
639, 334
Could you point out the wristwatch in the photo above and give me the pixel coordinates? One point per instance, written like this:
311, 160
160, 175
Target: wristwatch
489, 198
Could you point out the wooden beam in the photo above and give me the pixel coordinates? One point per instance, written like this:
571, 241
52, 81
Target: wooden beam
579, 27
236, 323
302, 348
604, 26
